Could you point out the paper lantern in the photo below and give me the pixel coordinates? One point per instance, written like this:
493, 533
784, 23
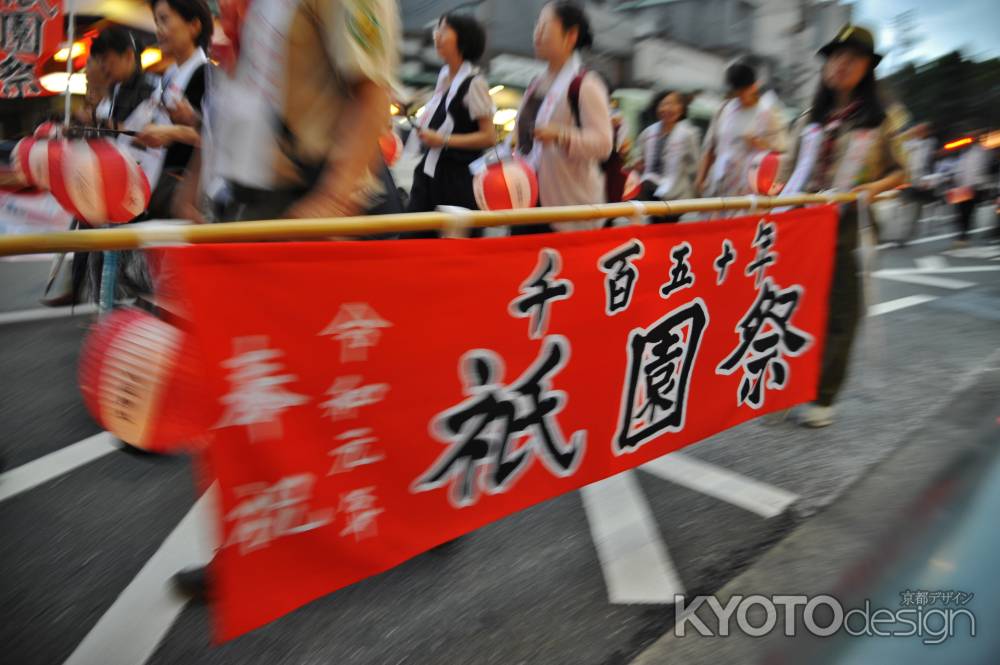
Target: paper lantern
30, 162
140, 381
506, 185
391, 146
763, 173
48, 130
633, 185
94, 180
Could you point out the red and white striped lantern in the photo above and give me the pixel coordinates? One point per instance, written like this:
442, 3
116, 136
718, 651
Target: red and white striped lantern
633, 185
48, 130
140, 382
391, 146
93, 180
763, 173
507, 185
96, 182
30, 162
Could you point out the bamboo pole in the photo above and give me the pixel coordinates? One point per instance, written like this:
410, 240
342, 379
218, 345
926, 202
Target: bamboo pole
138, 236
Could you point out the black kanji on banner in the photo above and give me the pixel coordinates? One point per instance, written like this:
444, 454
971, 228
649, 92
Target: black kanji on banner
621, 275
17, 78
766, 337
539, 291
484, 429
660, 362
681, 276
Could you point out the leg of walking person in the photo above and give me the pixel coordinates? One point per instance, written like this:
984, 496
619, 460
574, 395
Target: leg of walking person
965, 211
914, 201
845, 311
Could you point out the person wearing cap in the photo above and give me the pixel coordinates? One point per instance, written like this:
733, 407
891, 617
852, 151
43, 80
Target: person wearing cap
748, 122
846, 142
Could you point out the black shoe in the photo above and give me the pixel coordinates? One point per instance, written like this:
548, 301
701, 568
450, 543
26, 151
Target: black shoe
192, 583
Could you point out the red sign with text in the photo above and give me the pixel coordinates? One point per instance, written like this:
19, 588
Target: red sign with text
30, 32
376, 399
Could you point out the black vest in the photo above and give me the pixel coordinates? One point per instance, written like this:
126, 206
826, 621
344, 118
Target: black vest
463, 121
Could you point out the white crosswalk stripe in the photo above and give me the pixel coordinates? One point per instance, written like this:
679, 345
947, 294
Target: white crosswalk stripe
64, 460
129, 632
634, 559
747, 493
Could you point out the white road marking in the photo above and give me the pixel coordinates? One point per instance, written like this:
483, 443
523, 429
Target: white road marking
962, 270
134, 625
896, 305
634, 559
28, 258
983, 253
929, 280
931, 262
752, 495
47, 313
924, 241
44, 469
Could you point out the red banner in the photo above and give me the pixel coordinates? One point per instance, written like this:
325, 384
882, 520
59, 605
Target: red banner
377, 399
30, 32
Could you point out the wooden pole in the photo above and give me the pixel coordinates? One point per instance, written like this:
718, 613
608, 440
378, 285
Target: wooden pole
138, 236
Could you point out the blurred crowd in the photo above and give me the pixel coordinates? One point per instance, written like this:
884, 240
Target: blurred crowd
290, 127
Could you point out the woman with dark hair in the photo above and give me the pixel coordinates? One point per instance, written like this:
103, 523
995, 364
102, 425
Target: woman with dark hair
564, 124
669, 157
184, 31
131, 107
457, 124
845, 142
130, 89
749, 121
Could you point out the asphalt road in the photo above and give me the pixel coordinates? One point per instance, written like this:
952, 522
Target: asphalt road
87, 544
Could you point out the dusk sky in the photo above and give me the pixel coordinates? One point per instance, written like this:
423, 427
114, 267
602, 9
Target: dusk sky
973, 26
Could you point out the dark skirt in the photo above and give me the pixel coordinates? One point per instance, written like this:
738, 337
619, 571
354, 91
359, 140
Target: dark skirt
450, 186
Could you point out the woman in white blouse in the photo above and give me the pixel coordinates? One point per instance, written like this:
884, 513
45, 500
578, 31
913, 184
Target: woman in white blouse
457, 124
669, 153
564, 124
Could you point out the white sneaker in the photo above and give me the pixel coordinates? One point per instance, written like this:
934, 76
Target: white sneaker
816, 416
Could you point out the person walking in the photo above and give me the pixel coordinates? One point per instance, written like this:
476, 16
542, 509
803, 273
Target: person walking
669, 153
844, 142
564, 123
458, 122
748, 122
971, 181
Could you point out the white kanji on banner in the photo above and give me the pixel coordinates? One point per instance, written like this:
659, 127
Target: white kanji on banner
257, 396
356, 450
269, 512
359, 505
358, 328
348, 396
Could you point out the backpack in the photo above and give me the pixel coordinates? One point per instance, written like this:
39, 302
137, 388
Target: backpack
614, 166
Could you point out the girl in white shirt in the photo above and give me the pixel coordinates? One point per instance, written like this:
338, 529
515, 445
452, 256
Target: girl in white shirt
748, 122
668, 153
564, 124
457, 124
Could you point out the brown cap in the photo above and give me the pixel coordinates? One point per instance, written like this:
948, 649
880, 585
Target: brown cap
854, 37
